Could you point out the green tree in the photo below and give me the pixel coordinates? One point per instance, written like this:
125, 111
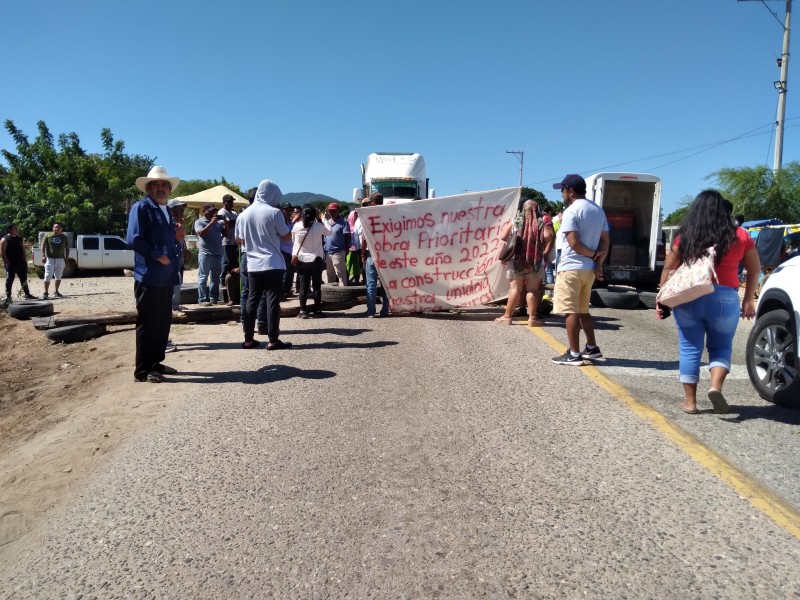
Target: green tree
540, 199
48, 181
757, 194
676, 217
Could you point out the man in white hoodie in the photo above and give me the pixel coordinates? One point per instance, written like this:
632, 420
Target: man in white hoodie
261, 228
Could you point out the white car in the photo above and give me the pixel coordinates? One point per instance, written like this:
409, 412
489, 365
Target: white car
772, 361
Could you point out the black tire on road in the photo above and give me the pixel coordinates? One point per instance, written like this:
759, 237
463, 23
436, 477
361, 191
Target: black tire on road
648, 299
70, 268
25, 309
70, 334
332, 292
771, 358
615, 297
188, 293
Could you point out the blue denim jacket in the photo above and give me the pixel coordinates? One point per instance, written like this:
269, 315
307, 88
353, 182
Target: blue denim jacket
150, 235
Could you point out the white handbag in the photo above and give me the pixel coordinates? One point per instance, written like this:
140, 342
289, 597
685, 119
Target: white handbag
689, 281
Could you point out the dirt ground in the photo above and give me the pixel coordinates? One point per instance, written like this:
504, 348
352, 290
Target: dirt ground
64, 408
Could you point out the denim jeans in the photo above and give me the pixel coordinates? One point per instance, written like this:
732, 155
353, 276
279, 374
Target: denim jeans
308, 276
288, 277
373, 291
548, 272
176, 291
712, 320
208, 265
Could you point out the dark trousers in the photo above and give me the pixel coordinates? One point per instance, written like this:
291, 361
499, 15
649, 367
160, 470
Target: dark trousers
230, 260
153, 318
21, 271
262, 307
267, 285
307, 276
288, 276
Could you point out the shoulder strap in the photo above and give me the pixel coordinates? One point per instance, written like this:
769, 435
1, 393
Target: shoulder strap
305, 236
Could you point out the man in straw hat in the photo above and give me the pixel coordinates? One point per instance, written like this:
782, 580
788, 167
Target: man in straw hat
151, 235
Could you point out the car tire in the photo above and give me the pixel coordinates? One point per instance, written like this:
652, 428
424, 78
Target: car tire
70, 334
614, 297
70, 268
772, 359
647, 299
333, 292
25, 309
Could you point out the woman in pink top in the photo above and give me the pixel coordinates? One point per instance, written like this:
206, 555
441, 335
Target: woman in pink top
711, 320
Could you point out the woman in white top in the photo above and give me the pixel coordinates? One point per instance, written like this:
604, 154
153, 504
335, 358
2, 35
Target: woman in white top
307, 247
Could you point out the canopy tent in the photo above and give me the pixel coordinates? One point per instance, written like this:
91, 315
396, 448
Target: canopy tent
214, 195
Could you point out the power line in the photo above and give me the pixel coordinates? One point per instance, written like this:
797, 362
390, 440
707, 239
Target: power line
704, 148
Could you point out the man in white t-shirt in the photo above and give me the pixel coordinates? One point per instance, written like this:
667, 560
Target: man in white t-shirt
585, 234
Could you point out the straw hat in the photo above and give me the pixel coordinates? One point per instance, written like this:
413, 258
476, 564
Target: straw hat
157, 173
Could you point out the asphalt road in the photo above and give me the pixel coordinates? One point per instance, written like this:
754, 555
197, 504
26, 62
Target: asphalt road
427, 457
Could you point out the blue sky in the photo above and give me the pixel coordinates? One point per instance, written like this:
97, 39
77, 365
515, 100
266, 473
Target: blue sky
301, 91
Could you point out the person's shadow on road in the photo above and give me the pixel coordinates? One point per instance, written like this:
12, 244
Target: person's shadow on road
768, 412
266, 374
295, 346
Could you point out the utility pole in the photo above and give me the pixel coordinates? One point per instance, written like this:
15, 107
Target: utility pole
781, 87
520, 154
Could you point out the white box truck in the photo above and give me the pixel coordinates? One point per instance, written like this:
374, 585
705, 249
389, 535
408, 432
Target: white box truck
632, 203
398, 176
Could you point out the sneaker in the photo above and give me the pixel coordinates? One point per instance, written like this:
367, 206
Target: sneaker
568, 359
30, 297
205, 303
57, 295
45, 296
170, 348
592, 352
302, 315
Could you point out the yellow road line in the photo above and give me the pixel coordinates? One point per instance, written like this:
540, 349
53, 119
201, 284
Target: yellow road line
770, 504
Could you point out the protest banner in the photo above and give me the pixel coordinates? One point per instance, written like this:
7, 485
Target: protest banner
441, 253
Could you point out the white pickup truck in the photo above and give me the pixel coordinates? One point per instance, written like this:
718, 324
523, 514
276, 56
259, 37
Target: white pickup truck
91, 252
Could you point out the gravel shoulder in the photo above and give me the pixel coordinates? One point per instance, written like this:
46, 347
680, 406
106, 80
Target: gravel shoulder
65, 409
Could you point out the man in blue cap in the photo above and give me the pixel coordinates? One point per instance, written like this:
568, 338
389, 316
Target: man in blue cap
584, 249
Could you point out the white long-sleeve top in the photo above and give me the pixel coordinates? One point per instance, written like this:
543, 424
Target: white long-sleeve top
312, 243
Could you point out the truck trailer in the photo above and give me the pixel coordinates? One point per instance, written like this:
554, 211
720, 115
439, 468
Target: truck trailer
632, 203
398, 176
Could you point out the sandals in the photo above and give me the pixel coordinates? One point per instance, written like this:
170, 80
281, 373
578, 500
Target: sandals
535, 322
504, 320
718, 400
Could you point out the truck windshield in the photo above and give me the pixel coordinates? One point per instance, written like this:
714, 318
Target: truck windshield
396, 189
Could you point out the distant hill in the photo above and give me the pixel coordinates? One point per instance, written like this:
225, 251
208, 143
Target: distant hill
301, 198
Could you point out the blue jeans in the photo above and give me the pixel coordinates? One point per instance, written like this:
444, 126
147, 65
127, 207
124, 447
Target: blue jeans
711, 319
176, 291
373, 291
208, 265
548, 272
